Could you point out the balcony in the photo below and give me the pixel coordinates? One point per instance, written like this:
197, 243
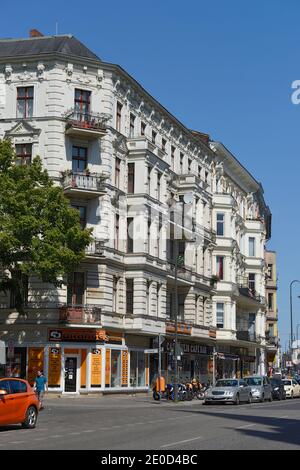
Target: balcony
88, 126
79, 314
272, 340
95, 248
141, 144
88, 185
245, 335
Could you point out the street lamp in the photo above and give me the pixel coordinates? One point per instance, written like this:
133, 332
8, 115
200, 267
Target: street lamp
188, 200
291, 311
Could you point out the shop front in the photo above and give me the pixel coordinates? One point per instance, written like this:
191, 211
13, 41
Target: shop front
195, 362
81, 360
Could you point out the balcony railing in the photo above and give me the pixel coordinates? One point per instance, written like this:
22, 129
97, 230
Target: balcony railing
86, 124
80, 314
96, 248
91, 184
246, 336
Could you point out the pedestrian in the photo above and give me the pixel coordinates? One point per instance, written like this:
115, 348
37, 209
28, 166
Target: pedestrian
41, 386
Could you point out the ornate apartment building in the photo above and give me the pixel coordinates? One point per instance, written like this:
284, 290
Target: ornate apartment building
272, 337
170, 211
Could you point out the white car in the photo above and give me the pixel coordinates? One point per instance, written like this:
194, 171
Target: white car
291, 387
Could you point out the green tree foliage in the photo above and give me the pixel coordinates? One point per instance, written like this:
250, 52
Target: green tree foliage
40, 234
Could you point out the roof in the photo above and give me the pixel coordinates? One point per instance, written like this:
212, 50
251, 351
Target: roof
64, 44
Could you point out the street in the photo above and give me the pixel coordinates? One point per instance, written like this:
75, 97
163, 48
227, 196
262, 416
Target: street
132, 423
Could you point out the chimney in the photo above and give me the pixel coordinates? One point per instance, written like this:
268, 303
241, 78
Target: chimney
34, 33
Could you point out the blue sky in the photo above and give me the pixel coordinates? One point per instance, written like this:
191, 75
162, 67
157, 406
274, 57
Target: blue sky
223, 67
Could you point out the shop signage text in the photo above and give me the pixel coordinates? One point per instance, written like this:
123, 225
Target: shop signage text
84, 336
190, 348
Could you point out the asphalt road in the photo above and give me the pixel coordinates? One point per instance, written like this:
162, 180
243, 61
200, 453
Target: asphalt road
132, 423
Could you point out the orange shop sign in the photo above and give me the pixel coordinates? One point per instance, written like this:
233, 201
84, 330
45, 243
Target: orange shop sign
76, 335
84, 335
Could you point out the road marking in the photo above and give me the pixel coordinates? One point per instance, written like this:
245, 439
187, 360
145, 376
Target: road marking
55, 436
90, 430
246, 426
181, 442
16, 442
283, 416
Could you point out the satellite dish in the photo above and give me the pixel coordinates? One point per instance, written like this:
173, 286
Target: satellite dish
188, 198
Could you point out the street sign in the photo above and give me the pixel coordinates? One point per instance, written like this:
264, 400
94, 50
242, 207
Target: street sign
158, 341
151, 351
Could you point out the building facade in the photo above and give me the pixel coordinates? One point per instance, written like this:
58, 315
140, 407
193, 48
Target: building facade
153, 192
272, 336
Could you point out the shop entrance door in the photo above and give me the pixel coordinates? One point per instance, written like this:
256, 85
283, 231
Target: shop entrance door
71, 374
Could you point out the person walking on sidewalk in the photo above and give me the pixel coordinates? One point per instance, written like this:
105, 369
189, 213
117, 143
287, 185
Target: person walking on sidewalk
41, 386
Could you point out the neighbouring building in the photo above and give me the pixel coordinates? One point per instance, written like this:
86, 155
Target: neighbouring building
154, 192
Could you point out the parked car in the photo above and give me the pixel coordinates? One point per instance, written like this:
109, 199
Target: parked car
278, 391
292, 388
261, 388
18, 403
228, 390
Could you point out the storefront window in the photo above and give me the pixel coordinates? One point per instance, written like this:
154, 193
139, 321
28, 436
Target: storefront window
16, 366
115, 368
137, 369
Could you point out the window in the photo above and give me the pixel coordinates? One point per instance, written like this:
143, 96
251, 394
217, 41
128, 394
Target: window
82, 104
117, 232
25, 102
129, 295
117, 172
82, 214
131, 125
220, 315
173, 158
115, 370
24, 153
137, 369
163, 144
181, 302
270, 301
270, 271
158, 185
220, 225
14, 300
16, 386
251, 282
129, 234
4, 385
189, 165
251, 246
206, 177
181, 163
143, 128
149, 178
220, 267
75, 289
119, 116
199, 171
130, 185
149, 235
79, 159
115, 293
154, 135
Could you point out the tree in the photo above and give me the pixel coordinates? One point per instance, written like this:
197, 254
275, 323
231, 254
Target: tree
40, 234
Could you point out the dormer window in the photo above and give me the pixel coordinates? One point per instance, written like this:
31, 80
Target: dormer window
25, 102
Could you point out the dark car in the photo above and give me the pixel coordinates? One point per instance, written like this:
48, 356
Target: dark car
278, 391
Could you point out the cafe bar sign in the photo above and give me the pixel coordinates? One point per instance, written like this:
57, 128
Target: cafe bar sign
84, 336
